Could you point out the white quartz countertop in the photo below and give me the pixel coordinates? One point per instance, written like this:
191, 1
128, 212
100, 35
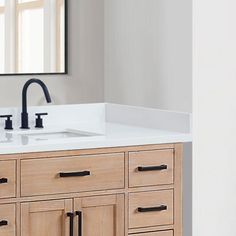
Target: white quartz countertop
114, 126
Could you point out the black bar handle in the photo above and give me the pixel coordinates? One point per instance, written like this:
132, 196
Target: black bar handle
71, 216
150, 209
79, 214
3, 223
152, 168
74, 174
3, 180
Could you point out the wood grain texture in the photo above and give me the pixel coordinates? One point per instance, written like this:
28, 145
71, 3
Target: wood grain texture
151, 199
107, 172
160, 233
178, 191
102, 215
7, 213
151, 229
8, 170
101, 200
45, 218
147, 159
89, 151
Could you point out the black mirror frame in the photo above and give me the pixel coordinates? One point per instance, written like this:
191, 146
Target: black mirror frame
66, 52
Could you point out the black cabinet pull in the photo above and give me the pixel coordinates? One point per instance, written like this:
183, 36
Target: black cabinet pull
74, 174
152, 168
3, 180
150, 209
79, 214
3, 223
71, 216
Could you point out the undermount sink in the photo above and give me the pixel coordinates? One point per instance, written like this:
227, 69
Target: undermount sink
38, 135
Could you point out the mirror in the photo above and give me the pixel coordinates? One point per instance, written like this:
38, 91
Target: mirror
33, 37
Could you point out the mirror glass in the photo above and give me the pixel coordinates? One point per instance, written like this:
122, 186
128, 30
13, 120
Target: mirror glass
32, 37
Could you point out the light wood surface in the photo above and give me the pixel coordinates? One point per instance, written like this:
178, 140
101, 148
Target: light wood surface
111, 198
7, 213
106, 172
101, 215
150, 200
90, 151
45, 218
151, 159
178, 191
8, 171
161, 233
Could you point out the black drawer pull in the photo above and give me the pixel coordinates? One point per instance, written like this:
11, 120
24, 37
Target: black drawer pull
71, 216
150, 209
3, 223
152, 168
74, 174
79, 214
3, 180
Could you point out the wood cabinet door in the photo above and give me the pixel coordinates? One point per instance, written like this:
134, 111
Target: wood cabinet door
100, 215
160, 233
46, 218
7, 220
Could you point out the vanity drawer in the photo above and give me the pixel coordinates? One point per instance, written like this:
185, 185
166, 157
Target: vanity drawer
151, 208
7, 179
72, 174
7, 220
160, 233
148, 168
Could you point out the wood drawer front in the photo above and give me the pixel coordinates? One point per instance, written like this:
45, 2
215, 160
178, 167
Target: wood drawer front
7, 220
41, 176
161, 233
148, 208
7, 179
148, 168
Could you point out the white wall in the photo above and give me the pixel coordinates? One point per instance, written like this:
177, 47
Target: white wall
85, 81
148, 53
138, 51
214, 115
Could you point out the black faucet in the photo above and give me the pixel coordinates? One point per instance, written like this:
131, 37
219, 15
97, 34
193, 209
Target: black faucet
24, 114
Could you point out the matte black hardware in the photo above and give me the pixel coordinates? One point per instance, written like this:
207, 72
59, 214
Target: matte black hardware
3, 223
24, 114
74, 174
80, 219
39, 120
152, 168
150, 209
71, 216
3, 180
8, 122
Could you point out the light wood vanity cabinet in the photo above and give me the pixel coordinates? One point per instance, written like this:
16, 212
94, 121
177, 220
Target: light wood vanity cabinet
151, 208
148, 168
46, 217
7, 179
163, 233
98, 192
100, 215
7, 220
72, 174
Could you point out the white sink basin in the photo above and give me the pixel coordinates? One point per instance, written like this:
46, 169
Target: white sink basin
39, 135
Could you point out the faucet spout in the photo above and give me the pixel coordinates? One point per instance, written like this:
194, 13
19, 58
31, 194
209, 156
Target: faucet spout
24, 114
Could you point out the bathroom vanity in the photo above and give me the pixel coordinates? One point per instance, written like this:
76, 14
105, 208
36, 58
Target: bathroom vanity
120, 175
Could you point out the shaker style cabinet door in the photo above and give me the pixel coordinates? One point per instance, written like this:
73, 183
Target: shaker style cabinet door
7, 179
100, 216
7, 220
161, 233
54, 218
